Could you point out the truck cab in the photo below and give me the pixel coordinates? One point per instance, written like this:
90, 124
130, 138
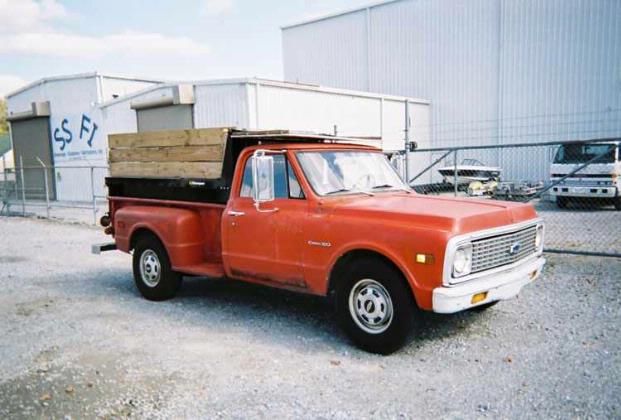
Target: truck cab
334, 220
598, 181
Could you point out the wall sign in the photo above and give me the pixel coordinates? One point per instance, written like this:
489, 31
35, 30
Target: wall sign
77, 138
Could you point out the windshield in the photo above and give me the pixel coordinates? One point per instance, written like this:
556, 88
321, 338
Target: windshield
333, 172
581, 153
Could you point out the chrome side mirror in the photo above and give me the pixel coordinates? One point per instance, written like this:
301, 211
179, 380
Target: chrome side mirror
262, 178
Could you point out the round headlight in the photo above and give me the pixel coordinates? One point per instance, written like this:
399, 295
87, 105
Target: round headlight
462, 261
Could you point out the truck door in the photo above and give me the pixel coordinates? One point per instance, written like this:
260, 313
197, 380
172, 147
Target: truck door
266, 245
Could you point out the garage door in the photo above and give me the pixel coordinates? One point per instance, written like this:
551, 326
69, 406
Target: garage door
172, 117
31, 140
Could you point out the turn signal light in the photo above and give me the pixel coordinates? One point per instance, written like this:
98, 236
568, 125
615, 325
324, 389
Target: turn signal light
479, 297
424, 259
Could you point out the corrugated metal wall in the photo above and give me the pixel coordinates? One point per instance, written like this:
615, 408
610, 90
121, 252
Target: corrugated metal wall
494, 70
265, 104
75, 113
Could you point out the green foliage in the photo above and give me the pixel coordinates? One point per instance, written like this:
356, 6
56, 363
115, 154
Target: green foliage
5, 143
4, 125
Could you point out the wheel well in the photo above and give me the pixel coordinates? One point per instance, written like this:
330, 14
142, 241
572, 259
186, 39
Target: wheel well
363, 254
141, 233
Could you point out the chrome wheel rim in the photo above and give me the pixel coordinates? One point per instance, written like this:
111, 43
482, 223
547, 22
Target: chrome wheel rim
370, 306
150, 268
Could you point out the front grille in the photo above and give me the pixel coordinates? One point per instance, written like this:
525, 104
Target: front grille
495, 251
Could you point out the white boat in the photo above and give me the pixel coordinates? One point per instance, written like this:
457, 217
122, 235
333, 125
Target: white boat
470, 170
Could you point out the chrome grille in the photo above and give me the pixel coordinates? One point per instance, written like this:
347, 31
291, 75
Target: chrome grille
495, 251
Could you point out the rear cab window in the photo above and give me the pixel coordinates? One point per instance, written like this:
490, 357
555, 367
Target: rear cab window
286, 184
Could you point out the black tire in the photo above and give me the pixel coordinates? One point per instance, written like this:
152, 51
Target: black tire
562, 202
617, 202
484, 307
391, 336
150, 252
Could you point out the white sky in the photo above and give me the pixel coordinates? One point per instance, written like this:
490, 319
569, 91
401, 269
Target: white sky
175, 40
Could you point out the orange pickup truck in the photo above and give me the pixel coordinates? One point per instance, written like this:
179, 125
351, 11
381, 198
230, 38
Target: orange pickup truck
310, 215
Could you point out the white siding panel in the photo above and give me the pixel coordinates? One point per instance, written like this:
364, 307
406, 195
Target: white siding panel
332, 49
495, 71
71, 101
317, 112
221, 106
116, 87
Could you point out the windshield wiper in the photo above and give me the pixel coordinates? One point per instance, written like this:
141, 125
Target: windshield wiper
349, 190
392, 186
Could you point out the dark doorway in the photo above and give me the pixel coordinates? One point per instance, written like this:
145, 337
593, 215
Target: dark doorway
31, 140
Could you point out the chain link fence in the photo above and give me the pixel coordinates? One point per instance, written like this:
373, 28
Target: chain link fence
74, 193
574, 185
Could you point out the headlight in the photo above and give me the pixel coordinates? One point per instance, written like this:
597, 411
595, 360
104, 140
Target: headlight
462, 261
539, 238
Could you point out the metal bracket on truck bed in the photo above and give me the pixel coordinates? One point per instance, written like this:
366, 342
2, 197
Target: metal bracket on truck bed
99, 248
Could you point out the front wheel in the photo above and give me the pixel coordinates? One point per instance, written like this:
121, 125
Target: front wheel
153, 274
617, 202
375, 306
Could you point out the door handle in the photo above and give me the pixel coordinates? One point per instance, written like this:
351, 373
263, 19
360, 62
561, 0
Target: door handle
234, 213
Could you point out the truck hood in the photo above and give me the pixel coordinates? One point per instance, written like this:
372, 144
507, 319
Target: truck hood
449, 214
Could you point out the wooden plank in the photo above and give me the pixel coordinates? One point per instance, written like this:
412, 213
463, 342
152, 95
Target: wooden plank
212, 153
193, 137
209, 170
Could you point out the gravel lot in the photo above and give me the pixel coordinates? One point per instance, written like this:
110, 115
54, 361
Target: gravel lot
77, 340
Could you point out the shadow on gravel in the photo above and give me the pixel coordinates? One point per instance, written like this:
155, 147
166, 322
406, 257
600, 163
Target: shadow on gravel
270, 315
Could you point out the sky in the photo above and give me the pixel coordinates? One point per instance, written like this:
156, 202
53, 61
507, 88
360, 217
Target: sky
161, 39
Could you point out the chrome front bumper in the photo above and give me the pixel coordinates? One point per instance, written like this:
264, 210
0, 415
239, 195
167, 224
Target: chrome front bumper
587, 192
500, 285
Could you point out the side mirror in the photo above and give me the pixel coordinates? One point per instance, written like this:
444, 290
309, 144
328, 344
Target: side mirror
262, 177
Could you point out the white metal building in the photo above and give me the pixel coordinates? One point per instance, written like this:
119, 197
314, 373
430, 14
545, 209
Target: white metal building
63, 122
495, 71
266, 104
57, 122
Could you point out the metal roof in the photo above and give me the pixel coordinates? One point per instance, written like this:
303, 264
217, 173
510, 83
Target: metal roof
79, 76
337, 14
266, 82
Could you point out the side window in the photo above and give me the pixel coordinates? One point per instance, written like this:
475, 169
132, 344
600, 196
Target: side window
295, 191
284, 180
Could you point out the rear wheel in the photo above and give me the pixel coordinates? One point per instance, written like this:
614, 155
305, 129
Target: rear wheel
375, 307
561, 202
153, 275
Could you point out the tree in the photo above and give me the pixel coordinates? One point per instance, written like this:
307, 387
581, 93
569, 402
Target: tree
4, 125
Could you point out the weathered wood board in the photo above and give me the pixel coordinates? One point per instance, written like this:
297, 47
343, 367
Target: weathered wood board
209, 170
168, 138
196, 153
212, 153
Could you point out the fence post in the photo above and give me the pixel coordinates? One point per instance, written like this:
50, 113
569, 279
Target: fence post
93, 196
455, 174
5, 188
14, 183
47, 191
21, 171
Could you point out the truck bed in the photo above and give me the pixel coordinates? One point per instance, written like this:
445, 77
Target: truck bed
183, 188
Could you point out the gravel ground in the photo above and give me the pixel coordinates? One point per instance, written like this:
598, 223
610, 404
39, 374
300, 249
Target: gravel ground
77, 340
